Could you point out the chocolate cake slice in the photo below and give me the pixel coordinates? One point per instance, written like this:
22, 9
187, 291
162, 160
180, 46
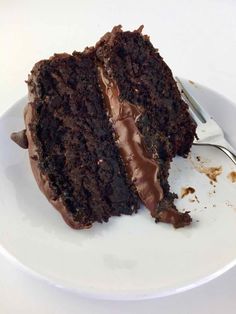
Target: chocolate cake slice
102, 127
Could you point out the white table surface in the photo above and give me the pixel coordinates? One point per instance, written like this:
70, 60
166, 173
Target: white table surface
198, 41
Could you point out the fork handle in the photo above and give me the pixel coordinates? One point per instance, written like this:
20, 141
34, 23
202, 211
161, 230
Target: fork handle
228, 153
231, 155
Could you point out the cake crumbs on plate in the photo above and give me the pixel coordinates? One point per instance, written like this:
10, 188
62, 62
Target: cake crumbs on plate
187, 190
196, 198
211, 172
213, 183
232, 176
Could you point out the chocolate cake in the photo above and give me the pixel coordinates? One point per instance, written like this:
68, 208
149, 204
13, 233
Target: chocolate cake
102, 127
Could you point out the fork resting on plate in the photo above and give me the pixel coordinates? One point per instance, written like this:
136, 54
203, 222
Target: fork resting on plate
208, 131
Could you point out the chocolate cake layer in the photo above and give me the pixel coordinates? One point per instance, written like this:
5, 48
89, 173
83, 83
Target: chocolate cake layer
73, 145
145, 81
141, 168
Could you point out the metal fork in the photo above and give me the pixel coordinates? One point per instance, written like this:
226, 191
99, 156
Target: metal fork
208, 131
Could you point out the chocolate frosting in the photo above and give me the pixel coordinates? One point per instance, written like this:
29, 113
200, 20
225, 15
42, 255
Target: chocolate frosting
140, 166
20, 138
174, 217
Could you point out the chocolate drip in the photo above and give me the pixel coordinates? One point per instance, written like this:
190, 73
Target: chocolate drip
20, 138
171, 215
140, 167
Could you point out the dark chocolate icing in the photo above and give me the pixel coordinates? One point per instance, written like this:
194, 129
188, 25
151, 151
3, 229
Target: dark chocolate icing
20, 138
174, 217
140, 166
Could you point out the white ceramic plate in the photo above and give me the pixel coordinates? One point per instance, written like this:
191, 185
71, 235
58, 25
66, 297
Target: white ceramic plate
130, 257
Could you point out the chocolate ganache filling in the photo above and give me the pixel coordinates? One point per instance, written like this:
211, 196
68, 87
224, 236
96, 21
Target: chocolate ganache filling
140, 166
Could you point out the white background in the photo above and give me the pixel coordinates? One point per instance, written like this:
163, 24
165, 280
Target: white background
197, 40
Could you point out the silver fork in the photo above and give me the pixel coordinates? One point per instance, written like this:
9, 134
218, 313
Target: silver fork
208, 131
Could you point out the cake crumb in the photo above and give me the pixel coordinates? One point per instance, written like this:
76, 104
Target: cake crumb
198, 158
186, 191
196, 198
211, 193
211, 172
232, 176
213, 183
191, 82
